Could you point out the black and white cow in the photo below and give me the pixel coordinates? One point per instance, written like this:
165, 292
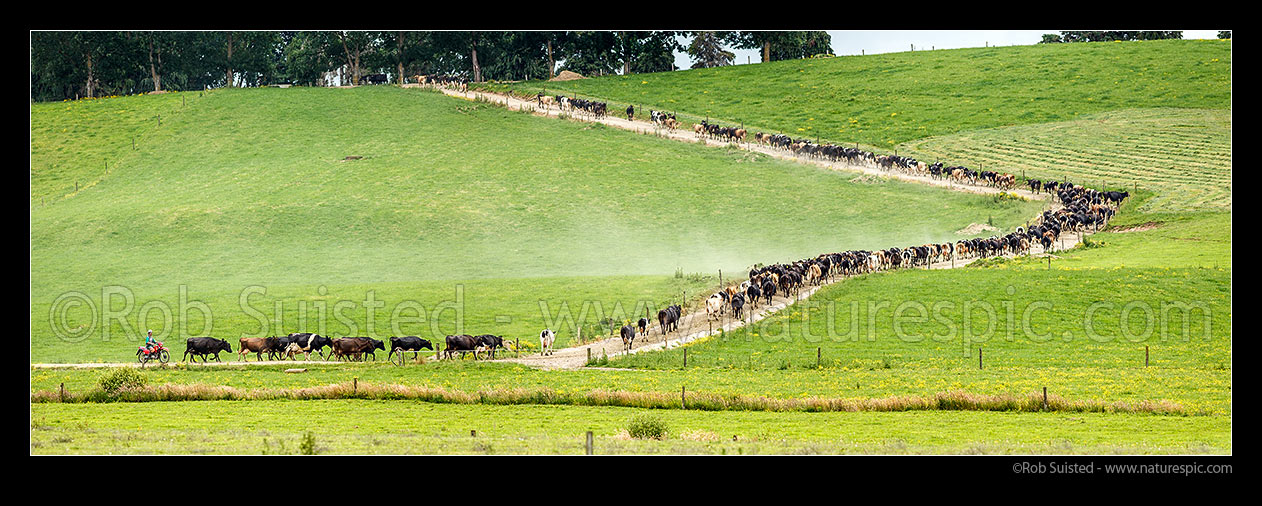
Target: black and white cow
546, 338
628, 337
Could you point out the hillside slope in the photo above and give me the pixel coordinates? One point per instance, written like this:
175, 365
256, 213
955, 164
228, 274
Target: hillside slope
887, 99
253, 187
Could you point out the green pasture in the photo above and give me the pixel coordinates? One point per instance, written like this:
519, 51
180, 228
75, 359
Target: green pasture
246, 188
279, 427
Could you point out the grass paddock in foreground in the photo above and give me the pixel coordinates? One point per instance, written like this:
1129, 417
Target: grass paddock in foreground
417, 427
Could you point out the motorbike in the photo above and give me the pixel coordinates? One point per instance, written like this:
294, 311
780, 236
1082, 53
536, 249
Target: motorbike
158, 352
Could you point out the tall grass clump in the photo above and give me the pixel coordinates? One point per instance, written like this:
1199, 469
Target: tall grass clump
121, 380
647, 426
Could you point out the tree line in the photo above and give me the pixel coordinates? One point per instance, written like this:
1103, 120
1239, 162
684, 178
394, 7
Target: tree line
72, 65
1106, 36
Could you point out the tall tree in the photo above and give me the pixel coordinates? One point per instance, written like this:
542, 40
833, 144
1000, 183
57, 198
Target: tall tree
591, 53
756, 40
355, 47
655, 51
471, 40
157, 46
707, 51
783, 45
229, 77
403, 49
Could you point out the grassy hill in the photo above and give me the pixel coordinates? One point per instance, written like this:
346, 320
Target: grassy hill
888, 99
252, 187
1184, 155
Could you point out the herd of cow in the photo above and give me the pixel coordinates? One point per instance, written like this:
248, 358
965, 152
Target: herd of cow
442, 80
906, 164
1082, 208
715, 131
589, 108
344, 348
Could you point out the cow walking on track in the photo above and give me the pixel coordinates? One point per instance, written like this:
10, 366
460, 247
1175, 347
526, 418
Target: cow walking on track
546, 338
204, 346
628, 337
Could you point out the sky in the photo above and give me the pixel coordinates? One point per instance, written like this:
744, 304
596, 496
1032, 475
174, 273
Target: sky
853, 42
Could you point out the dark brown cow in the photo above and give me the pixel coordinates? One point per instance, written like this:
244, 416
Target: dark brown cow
352, 348
462, 343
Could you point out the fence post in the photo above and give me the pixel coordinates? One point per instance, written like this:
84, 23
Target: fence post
683, 397
589, 442
685, 357
1145, 356
62, 389
979, 357
589, 354
1044, 398
355, 385
818, 354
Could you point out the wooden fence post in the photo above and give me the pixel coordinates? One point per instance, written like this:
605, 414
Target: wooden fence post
62, 389
979, 357
1044, 398
819, 352
1145, 355
685, 357
355, 385
589, 442
683, 397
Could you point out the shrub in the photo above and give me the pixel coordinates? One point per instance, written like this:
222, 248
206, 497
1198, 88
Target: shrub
646, 426
122, 379
307, 446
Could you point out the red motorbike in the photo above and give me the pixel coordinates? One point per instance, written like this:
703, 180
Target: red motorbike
157, 352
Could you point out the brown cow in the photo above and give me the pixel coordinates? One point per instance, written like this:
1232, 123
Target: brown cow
356, 347
350, 347
259, 346
343, 347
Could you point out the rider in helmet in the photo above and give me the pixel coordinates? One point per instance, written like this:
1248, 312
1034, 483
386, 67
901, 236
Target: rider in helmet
149, 342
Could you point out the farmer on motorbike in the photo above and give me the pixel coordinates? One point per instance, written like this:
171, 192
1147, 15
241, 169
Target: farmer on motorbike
149, 342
